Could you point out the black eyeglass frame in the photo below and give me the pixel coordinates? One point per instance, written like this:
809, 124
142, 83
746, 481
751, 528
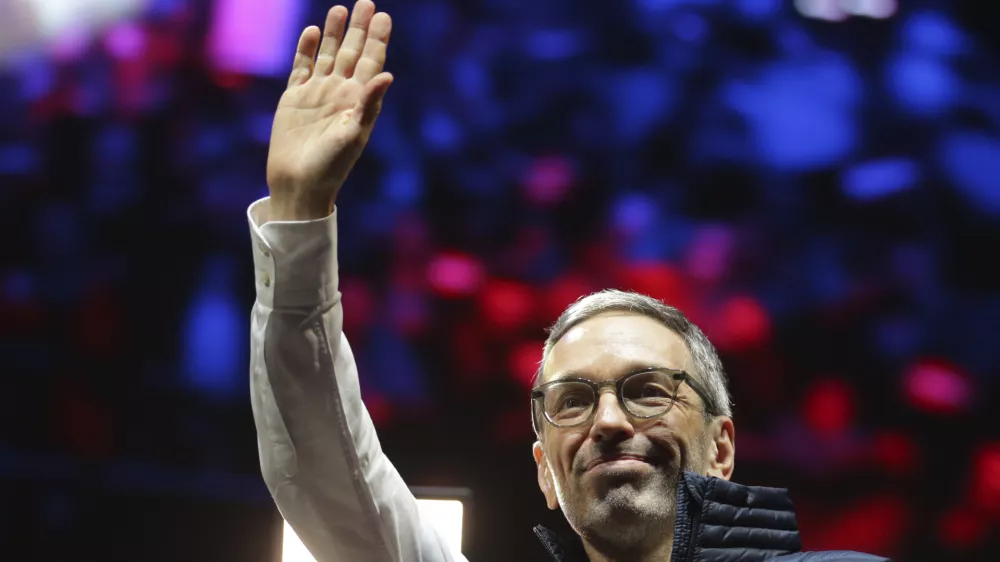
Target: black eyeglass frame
538, 395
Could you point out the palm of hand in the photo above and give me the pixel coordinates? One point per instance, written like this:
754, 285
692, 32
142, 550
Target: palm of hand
326, 115
315, 132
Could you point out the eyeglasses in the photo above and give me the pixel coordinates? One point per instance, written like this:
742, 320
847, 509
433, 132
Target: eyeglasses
571, 402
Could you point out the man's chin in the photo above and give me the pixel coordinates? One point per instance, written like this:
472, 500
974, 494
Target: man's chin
621, 501
631, 491
625, 513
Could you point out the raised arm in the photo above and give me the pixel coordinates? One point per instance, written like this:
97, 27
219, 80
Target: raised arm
319, 453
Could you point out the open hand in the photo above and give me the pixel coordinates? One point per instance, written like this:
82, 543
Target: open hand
326, 115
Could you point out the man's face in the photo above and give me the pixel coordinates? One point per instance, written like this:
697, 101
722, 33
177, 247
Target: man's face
621, 500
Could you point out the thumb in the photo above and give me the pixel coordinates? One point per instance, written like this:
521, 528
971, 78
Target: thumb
371, 98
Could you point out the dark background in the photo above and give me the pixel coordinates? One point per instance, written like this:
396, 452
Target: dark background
818, 191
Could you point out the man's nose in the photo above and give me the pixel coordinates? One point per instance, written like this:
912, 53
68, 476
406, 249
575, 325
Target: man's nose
610, 422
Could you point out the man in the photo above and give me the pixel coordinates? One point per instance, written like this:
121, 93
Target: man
635, 436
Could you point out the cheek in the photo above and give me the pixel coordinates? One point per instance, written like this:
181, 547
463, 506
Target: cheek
568, 446
695, 439
681, 433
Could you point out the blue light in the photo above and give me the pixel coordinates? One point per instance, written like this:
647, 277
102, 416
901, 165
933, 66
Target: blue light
403, 185
554, 44
440, 131
213, 141
800, 115
18, 286
689, 27
116, 143
874, 180
18, 159
828, 281
639, 100
214, 331
800, 134
469, 76
37, 77
258, 125
922, 85
758, 9
972, 162
898, 338
394, 367
932, 33
634, 213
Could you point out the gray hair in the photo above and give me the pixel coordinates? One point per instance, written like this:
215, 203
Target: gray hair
706, 360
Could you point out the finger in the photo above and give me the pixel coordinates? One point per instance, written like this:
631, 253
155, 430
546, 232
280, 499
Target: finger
333, 34
371, 98
373, 58
302, 67
354, 41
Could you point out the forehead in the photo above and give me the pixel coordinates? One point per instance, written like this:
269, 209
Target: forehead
609, 344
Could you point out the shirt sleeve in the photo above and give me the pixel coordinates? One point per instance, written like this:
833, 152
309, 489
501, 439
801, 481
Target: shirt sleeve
319, 453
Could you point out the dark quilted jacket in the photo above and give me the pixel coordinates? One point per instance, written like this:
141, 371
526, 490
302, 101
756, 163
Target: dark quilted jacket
719, 521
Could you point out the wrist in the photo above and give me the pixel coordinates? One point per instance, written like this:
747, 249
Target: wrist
285, 207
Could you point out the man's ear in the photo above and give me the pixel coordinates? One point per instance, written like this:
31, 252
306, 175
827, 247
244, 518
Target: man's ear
721, 447
545, 482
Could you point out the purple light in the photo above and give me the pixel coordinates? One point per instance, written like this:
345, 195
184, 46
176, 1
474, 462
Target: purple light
936, 386
126, 41
455, 275
549, 180
258, 40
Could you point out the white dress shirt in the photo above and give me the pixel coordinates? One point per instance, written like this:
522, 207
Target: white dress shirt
319, 454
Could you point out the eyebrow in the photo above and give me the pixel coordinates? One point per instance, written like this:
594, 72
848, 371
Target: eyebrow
632, 368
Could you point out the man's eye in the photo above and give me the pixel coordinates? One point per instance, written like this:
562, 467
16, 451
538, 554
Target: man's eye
651, 391
572, 402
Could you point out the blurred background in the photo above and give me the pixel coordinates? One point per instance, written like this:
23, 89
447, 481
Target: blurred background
815, 182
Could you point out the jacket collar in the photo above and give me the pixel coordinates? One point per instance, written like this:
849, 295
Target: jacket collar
713, 516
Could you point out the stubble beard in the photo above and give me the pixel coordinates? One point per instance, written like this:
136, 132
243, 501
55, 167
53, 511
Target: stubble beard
627, 514
630, 513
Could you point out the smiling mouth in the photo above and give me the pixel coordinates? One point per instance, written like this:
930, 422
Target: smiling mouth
606, 460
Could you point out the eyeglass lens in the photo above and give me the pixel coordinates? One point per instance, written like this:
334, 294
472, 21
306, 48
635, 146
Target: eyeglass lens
644, 395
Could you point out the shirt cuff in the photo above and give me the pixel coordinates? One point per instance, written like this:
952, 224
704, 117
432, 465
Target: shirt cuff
295, 262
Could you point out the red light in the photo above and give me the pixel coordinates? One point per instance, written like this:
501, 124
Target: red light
507, 305
829, 407
895, 451
230, 80
874, 526
936, 386
745, 324
379, 408
562, 293
658, 280
358, 303
962, 528
469, 354
524, 360
454, 275
986, 478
